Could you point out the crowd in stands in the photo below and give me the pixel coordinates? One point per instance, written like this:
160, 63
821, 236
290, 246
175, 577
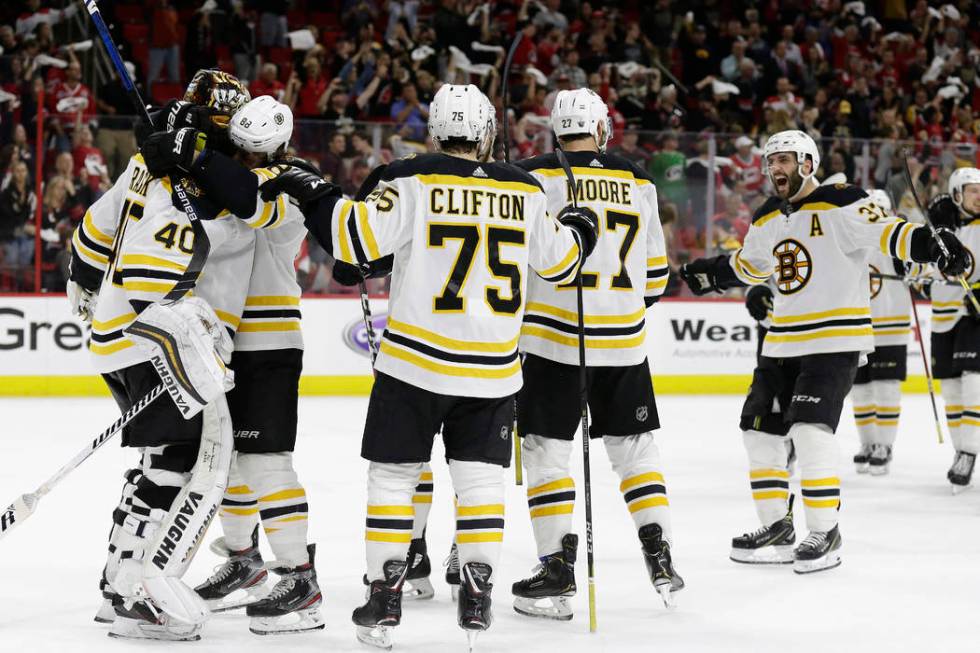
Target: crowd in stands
693, 90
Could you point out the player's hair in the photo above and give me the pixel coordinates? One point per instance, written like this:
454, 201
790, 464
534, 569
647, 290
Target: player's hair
458, 145
574, 138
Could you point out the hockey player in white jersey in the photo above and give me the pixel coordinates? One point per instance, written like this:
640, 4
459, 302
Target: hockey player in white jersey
624, 276
877, 394
152, 247
815, 241
267, 362
956, 327
464, 233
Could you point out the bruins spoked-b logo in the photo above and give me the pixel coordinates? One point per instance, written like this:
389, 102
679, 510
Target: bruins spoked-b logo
794, 267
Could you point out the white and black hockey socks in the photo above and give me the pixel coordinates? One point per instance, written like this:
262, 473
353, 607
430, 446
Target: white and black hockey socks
422, 500
390, 514
818, 454
550, 490
768, 475
239, 511
877, 408
636, 460
479, 512
281, 502
962, 398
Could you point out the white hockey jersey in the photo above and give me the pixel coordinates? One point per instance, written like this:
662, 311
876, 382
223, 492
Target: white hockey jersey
463, 234
891, 304
948, 300
628, 265
152, 249
818, 253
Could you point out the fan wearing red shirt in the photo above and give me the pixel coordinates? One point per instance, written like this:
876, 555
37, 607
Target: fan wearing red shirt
71, 98
268, 83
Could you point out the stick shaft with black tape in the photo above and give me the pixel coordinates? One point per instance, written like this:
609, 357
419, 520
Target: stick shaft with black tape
202, 244
925, 364
362, 193
26, 504
584, 404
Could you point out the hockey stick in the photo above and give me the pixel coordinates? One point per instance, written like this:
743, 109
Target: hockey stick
366, 188
584, 402
202, 244
909, 280
518, 461
925, 364
935, 233
25, 505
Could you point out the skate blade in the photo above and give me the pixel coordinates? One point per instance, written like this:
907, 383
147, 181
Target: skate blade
454, 590
124, 628
471, 636
418, 589
240, 598
878, 470
827, 562
375, 636
959, 489
767, 555
106, 613
558, 610
300, 621
861, 468
666, 592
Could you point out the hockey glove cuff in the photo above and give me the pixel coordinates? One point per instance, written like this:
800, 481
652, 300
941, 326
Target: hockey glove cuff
346, 274
585, 223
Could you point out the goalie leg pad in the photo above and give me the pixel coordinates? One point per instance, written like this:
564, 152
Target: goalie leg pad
186, 344
550, 490
282, 504
181, 532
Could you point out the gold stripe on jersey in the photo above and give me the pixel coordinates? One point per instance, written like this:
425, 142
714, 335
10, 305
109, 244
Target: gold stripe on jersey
88, 254
105, 350
808, 317
448, 356
365, 228
93, 232
449, 370
144, 260
452, 343
228, 318
657, 276
453, 180
272, 300
601, 331
766, 218
270, 313
563, 268
844, 322
746, 272
345, 208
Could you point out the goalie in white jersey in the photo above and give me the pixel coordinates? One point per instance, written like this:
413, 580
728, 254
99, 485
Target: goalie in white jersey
625, 275
815, 241
956, 326
465, 234
877, 393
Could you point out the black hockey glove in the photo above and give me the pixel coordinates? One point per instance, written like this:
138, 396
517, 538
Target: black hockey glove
758, 301
346, 274
706, 275
956, 263
585, 223
175, 115
349, 275
943, 213
302, 185
166, 152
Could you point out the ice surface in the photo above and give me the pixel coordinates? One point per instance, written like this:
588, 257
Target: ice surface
910, 580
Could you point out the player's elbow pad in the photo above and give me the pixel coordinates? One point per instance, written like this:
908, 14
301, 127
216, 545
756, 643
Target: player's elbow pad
85, 275
227, 182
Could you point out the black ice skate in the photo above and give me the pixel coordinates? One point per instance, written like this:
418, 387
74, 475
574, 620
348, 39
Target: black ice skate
473, 608
769, 545
293, 605
961, 472
545, 594
141, 619
239, 581
656, 555
383, 609
819, 551
862, 457
880, 459
452, 571
417, 584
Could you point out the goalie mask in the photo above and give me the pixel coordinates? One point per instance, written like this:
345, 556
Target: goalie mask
218, 90
463, 112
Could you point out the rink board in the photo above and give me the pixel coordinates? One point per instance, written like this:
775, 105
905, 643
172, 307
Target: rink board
695, 347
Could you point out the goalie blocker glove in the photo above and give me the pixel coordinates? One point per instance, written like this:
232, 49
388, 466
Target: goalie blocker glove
585, 223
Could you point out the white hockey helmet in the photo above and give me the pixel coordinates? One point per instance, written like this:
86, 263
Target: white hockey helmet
580, 111
797, 142
881, 198
960, 178
463, 112
262, 125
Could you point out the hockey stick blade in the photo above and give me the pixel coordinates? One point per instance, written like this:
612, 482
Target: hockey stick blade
15, 514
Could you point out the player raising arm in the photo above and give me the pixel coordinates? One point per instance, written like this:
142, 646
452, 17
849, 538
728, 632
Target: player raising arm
815, 241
